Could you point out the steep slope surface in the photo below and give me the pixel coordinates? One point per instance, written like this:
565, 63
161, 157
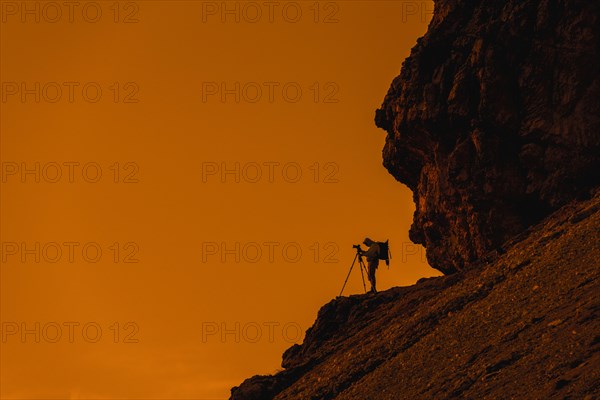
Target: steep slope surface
523, 326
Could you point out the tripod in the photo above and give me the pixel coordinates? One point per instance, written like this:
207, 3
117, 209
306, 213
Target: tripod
363, 269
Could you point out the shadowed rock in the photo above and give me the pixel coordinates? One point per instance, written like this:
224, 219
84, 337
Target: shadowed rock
494, 121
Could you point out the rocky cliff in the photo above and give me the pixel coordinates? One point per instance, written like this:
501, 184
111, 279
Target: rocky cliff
494, 121
494, 124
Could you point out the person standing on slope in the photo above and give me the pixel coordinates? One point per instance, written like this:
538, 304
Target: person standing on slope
372, 256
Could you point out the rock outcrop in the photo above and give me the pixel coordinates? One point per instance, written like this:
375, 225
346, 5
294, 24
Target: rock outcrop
522, 326
494, 121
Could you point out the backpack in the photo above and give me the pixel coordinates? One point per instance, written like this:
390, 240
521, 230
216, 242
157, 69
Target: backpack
384, 252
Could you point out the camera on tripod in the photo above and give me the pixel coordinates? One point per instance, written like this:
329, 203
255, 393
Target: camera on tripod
361, 263
376, 251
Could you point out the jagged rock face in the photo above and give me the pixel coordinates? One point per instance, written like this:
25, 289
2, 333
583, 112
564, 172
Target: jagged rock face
494, 121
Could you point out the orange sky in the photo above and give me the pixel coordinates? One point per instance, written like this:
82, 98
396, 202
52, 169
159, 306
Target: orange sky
189, 319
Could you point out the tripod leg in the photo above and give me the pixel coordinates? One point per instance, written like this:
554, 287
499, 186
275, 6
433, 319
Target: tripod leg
348, 276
